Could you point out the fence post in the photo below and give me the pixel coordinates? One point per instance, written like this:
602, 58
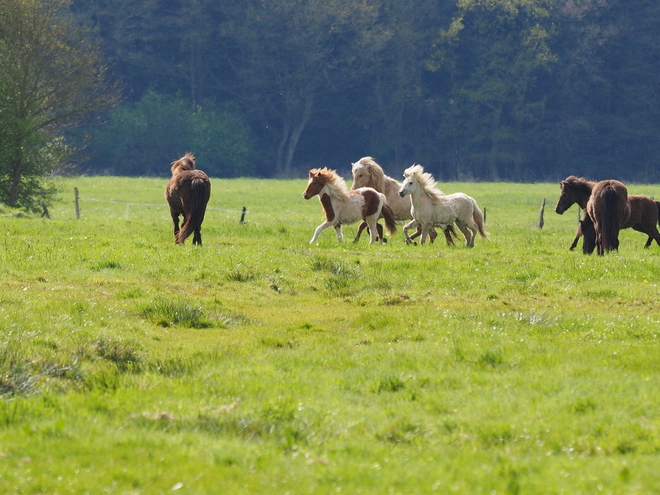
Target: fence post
540, 224
77, 201
243, 215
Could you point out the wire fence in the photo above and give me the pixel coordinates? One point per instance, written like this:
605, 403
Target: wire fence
128, 204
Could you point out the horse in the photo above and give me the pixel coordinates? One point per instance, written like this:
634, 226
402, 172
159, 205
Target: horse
608, 207
187, 194
644, 213
431, 207
367, 173
344, 206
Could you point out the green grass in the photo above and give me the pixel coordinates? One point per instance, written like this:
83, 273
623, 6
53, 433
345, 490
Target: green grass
260, 364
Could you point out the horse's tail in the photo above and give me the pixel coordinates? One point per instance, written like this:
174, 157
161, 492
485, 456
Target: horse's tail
195, 210
478, 218
390, 221
610, 221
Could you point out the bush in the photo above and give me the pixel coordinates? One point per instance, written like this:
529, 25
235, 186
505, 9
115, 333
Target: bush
144, 138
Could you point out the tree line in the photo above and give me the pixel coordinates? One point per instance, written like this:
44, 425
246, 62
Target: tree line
512, 90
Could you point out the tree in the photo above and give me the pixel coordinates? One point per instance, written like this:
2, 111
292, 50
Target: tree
51, 77
493, 53
397, 93
143, 138
289, 53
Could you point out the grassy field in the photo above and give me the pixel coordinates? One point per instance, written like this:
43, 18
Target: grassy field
260, 364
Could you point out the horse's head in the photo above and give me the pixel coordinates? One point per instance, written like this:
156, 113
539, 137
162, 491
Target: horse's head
318, 177
186, 162
415, 179
573, 190
407, 186
367, 173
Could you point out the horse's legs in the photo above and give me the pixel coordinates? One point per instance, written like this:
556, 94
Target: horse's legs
649, 230
175, 221
197, 237
578, 234
466, 233
406, 228
425, 232
320, 229
374, 232
432, 234
381, 238
340, 234
447, 231
362, 226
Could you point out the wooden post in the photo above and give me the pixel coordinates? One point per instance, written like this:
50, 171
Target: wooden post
243, 215
484, 214
540, 224
45, 212
77, 201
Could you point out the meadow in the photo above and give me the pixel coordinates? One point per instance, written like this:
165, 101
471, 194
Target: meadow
258, 363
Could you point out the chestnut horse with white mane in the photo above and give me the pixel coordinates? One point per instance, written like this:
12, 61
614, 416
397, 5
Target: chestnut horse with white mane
344, 206
187, 194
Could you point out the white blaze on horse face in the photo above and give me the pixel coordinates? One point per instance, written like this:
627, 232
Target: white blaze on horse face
306, 194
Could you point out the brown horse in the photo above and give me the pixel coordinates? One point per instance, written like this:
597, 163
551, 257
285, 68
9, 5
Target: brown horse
609, 208
187, 194
644, 213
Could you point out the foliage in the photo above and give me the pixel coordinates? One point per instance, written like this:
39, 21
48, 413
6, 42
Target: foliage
290, 53
513, 367
518, 90
51, 76
143, 138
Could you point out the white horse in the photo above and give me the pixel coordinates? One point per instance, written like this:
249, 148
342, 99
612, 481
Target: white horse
431, 207
343, 206
367, 173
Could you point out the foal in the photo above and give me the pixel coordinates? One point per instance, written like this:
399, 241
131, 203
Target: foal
342, 205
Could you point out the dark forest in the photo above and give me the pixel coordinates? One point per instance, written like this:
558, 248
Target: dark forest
523, 90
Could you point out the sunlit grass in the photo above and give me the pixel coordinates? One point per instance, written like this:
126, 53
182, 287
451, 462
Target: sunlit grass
262, 364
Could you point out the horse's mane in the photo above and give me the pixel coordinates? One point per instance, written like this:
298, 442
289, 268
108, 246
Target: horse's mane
336, 184
425, 179
579, 183
374, 170
186, 162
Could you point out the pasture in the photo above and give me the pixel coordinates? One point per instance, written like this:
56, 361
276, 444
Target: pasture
258, 363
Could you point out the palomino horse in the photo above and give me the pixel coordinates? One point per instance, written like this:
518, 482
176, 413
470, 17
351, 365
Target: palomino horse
367, 173
608, 207
644, 213
431, 207
187, 193
343, 206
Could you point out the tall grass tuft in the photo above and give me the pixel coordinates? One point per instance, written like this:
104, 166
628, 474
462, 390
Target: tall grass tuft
126, 355
166, 313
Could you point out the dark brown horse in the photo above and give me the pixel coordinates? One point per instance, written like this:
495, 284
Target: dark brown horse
644, 213
187, 193
609, 208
